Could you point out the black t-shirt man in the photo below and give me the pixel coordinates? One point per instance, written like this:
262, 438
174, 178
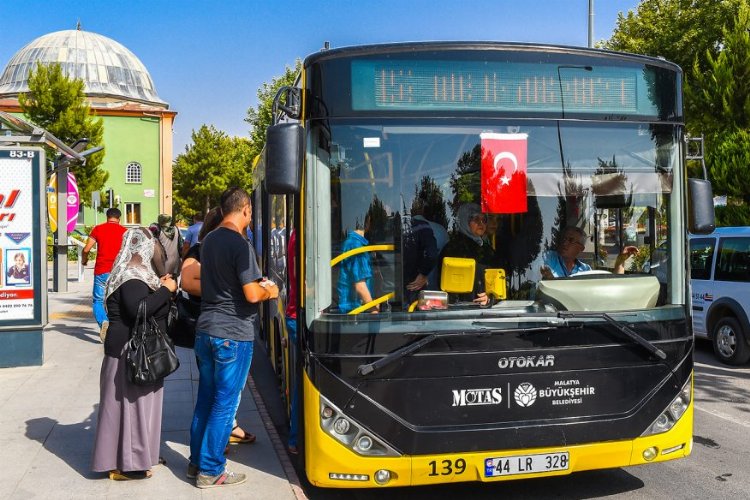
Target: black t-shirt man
227, 264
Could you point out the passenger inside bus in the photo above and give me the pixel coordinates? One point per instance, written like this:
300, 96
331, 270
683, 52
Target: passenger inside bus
470, 242
563, 262
420, 254
355, 276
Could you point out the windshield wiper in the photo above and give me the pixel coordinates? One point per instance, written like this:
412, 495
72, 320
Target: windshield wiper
399, 353
621, 327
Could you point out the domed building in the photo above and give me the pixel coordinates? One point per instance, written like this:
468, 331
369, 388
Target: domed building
137, 122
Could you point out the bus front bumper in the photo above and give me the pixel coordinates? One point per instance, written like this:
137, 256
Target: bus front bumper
331, 464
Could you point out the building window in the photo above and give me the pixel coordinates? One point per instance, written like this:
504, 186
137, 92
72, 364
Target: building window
133, 173
133, 214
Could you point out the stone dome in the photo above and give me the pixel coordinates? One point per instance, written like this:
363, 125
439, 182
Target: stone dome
107, 68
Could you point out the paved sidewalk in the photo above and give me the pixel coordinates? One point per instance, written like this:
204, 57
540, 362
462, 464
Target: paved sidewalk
48, 417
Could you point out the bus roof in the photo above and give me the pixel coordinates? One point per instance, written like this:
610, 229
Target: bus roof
396, 47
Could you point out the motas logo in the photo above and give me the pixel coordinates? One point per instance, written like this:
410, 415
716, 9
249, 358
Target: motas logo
525, 394
477, 397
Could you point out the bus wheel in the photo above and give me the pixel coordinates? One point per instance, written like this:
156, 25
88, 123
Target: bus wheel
730, 345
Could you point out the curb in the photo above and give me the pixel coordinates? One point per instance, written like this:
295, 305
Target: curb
278, 444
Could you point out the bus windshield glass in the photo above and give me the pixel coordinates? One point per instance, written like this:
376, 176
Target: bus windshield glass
425, 217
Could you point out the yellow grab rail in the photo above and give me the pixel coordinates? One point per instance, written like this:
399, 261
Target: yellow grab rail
356, 251
372, 303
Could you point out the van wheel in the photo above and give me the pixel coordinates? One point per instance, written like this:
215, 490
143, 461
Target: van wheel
730, 345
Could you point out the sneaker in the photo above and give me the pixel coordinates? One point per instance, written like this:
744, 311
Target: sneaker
103, 331
192, 471
226, 478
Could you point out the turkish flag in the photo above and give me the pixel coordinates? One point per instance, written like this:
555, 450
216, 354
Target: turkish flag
504, 173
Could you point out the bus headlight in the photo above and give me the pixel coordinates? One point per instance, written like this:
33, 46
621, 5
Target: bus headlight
672, 413
382, 476
364, 443
350, 433
341, 426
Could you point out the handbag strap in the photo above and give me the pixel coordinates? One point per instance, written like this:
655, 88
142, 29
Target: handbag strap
140, 322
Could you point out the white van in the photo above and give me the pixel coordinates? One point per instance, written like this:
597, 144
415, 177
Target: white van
720, 288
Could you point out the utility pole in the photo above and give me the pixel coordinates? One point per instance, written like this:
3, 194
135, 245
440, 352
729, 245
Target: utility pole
60, 247
591, 23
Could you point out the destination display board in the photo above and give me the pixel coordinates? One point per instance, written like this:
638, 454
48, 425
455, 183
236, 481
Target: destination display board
462, 85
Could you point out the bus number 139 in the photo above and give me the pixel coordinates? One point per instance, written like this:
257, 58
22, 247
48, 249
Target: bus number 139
447, 467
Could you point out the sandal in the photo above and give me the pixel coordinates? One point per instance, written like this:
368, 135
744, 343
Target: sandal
293, 450
117, 475
246, 438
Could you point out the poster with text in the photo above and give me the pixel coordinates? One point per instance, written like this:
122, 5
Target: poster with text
17, 215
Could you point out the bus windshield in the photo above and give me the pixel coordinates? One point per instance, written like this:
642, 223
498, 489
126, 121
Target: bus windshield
408, 209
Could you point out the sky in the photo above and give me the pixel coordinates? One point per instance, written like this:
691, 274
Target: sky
209, 58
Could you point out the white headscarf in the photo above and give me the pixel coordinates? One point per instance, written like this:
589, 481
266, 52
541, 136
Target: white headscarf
465, 213
134, 261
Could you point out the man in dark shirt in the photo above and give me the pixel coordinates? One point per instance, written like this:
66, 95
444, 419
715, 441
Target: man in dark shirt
231, 289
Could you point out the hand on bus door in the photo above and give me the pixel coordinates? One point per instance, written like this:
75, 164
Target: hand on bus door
482, 299
419, 282
271, 287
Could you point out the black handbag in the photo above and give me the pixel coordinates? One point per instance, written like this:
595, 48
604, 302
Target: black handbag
182, 329
151, 355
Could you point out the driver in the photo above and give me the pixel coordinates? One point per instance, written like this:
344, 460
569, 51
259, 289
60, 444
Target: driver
564, 262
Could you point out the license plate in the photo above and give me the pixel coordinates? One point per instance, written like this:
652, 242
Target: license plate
526, 464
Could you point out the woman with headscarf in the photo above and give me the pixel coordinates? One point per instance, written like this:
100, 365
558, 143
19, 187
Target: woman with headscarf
470, 242
128, 433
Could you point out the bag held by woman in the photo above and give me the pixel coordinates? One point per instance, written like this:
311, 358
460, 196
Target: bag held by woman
182, 329
151, 355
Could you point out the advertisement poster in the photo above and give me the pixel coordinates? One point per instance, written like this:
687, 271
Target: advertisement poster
17, 235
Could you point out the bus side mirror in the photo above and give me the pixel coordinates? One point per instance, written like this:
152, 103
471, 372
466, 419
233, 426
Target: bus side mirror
284, 153
701, 219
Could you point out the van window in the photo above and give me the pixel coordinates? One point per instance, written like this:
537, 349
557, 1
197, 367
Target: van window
734, 260
701, 256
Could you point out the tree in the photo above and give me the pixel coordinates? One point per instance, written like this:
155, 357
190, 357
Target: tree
720, 102
58, 104
720, 95
682, 31
429, 202
260, 118
710, 41
211, 164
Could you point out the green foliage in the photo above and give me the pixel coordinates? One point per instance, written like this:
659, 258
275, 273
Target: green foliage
720, 103
465, 181
733, 215
687, 32
428, 201
719, 98
729, 162
710, 40
59, 105
211, 164
639, 259
260, 118
682, 31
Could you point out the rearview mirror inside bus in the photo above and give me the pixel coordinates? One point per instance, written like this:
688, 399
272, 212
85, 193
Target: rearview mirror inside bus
284, 153
701, 218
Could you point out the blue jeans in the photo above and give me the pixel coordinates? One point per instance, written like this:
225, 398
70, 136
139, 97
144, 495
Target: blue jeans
223, 365
100, 315
291, 328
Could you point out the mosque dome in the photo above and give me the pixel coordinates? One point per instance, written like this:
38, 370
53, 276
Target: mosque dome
107, 68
